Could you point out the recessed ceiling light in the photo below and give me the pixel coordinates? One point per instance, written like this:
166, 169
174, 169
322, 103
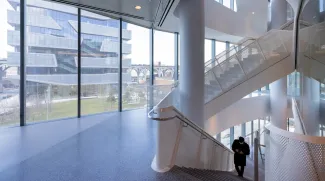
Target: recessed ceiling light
137, 7
253, 12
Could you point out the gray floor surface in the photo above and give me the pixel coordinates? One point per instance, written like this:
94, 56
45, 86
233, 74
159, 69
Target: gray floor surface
115, 146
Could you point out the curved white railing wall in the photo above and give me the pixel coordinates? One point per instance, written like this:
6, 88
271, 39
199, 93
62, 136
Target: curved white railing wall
292, 156
181, 142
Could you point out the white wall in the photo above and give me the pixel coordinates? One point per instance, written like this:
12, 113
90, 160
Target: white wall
238, 113
244, 110
241, 23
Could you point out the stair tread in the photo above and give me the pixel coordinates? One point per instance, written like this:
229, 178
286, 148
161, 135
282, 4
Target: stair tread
207, 175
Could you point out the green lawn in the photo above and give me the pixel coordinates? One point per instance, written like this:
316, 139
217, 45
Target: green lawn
69, 109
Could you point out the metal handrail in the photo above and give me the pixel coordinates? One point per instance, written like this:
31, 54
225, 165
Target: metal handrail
185, 120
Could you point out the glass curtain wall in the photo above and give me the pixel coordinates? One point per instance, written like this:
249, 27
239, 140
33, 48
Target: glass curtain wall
137, 51
52, 62
51, 72
9, 63
100, 59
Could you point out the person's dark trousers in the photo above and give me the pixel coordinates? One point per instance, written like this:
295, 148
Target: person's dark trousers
240, 171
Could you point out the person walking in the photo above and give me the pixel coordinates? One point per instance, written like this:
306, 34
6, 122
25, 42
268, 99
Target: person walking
241, 149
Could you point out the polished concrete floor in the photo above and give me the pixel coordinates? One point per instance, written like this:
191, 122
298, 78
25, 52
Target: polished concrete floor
114, 146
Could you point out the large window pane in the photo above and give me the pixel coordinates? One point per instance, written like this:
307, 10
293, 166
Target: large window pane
235, 5
51, 82
237, 131
164, 58
220, 47
207, 50
9, 63
248, 132
100, 49
137, 75
225, 137
164, 65
255, 125
227, 3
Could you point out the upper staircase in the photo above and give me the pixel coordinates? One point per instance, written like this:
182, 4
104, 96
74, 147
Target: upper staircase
247, 68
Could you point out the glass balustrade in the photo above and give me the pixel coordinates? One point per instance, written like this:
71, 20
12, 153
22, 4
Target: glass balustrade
237, 65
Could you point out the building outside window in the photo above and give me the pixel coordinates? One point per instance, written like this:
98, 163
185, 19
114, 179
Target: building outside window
100, 63
225, 137
51, 74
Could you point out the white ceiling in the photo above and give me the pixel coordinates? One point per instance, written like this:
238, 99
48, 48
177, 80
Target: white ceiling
152, 10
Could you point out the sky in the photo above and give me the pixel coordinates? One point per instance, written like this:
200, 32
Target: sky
163, 42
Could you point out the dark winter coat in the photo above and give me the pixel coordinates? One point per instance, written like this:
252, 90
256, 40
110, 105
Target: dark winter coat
240, 159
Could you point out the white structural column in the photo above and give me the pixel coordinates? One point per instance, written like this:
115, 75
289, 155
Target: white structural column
310, 105
278, 89
310, 12
279, 103
191, 21
278, 13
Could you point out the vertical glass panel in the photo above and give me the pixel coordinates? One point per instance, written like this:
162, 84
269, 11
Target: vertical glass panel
137, 76
220, 47
293, 84
51, 72
9, 63
164, 64
227, 3
179, 55
322, 91
164, 58
100, 62
225, 137
255, 125
235, 5
237, 131
207, 50
248, 132
291, 125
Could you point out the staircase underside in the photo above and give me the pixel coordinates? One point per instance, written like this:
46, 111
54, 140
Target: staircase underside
266, 76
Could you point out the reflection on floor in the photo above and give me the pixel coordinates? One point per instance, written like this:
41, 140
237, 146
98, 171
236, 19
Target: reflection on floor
115, 146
